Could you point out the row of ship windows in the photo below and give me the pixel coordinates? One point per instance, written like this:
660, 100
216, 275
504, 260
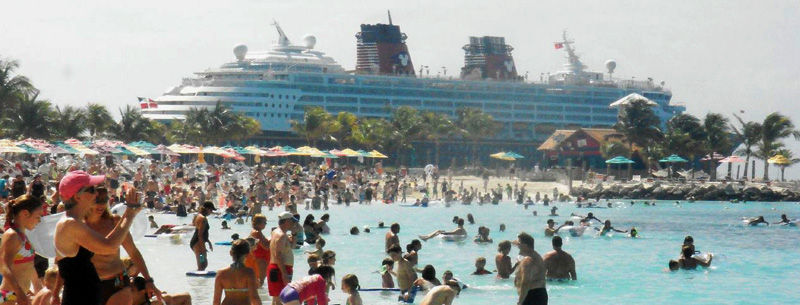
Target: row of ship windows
264, 114
256, 104
462, 95
244, 94
449, 104
350, 81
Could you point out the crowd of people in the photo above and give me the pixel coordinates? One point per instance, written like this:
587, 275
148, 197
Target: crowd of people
89, 268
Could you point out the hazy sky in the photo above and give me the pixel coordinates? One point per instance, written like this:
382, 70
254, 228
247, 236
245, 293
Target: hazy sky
719, 56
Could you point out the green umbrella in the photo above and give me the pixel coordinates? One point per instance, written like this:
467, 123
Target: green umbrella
30, 149
515, 155
619, 160
673, 159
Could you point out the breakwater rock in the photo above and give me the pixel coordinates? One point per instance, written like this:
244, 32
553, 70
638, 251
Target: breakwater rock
687, 191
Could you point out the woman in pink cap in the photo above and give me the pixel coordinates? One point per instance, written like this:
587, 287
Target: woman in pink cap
76, 243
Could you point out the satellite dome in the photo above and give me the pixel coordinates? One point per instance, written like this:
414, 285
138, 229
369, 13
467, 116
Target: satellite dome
611, 65
240, 50
309, 41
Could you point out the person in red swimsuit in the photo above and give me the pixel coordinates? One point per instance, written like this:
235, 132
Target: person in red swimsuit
260, 255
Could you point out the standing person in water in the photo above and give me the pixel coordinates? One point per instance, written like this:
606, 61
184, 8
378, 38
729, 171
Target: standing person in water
560, 264
280, 268
114, 280
237, 281
76, 242
261, 251
530, 278
23, 213
200, 238
391, 236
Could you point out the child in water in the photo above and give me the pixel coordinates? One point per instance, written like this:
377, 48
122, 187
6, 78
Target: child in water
318, 247
45, 296
386, 273
480, 267
350, 286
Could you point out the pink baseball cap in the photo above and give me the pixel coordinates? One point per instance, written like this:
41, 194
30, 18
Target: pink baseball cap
75, 181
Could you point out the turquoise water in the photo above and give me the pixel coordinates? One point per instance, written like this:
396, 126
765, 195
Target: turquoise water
753, 265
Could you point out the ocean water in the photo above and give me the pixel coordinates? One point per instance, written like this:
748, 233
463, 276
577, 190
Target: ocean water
752, 265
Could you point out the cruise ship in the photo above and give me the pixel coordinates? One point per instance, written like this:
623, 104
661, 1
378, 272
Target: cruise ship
275, 87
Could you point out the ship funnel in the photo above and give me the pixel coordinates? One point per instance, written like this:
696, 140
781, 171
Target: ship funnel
381, 49
488, 57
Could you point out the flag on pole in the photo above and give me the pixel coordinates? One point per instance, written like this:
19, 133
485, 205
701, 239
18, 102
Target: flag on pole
146, 103
559, 45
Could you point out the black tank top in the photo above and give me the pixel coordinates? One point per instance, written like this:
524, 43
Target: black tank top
17, 188
81, 282
37, 189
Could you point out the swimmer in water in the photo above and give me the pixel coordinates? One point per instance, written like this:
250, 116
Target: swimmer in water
553, 211
460, 231
784, 220
550, 230
688, 262
483, 235
608, 228
589, 217
634, 233
757, 220
441, 295
559, 264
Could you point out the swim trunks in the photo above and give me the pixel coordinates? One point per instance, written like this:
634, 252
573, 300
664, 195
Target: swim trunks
275, 279
111, 286
536, 296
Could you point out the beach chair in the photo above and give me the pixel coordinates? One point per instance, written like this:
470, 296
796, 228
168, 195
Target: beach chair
636, 178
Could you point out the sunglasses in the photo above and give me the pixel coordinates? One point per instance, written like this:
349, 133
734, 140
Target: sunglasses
90, 190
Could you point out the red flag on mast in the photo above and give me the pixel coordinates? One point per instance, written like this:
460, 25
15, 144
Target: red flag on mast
559, 45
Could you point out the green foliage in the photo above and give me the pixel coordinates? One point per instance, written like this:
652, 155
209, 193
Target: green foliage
13, 87
98, 120
204, 126
30, 118
317, 125
473, 124
132, 126
775, 128
69, 122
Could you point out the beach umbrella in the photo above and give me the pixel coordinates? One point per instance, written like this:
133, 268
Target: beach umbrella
350, 153
619, 160
30, 149
515, 155
780, 160
377, 154
502, 156
337, 152
673, 159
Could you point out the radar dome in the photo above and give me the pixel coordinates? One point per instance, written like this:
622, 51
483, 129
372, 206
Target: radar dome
240, 50
309, 41
611, 65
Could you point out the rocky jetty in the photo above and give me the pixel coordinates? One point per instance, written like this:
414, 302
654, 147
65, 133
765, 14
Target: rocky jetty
688, 191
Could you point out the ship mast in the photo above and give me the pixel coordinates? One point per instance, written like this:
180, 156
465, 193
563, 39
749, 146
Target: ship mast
574, 62
282, 39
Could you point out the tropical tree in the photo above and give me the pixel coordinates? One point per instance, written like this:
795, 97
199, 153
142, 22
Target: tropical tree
69, 122
717, 139
436, 126
29, 118
684, 136
790, 156
374, 133
13, 87
98, 120
346, 128
775, 128
317, 125
640, 125
132, 126
749, 134
473, 124
204, 126
407, 126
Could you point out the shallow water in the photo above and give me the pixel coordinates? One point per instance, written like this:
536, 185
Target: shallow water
752, 265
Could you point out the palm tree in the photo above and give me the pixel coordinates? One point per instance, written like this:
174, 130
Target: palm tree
717, 132
774, 128
132, 126
13, 88
789, 155
70, 122
98, 120
475, 125
317, 125
435, 127
347, 126
30, 118
640, 126
406, 123
749, 134
373, 133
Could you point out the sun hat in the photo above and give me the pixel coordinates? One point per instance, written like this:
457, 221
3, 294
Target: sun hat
287, 215
75, 181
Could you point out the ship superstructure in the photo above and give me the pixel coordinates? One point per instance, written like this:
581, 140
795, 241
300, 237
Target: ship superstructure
276, 86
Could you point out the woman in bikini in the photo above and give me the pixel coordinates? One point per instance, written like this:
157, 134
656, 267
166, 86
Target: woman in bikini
260, 255
114, 280
76, 243
17, 253
237, 281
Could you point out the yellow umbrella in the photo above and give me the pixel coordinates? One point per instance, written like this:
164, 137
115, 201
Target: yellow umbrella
779, 160
350, 153
377, 154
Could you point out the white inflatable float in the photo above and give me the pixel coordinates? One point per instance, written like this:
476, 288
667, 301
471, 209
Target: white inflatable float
43, 236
